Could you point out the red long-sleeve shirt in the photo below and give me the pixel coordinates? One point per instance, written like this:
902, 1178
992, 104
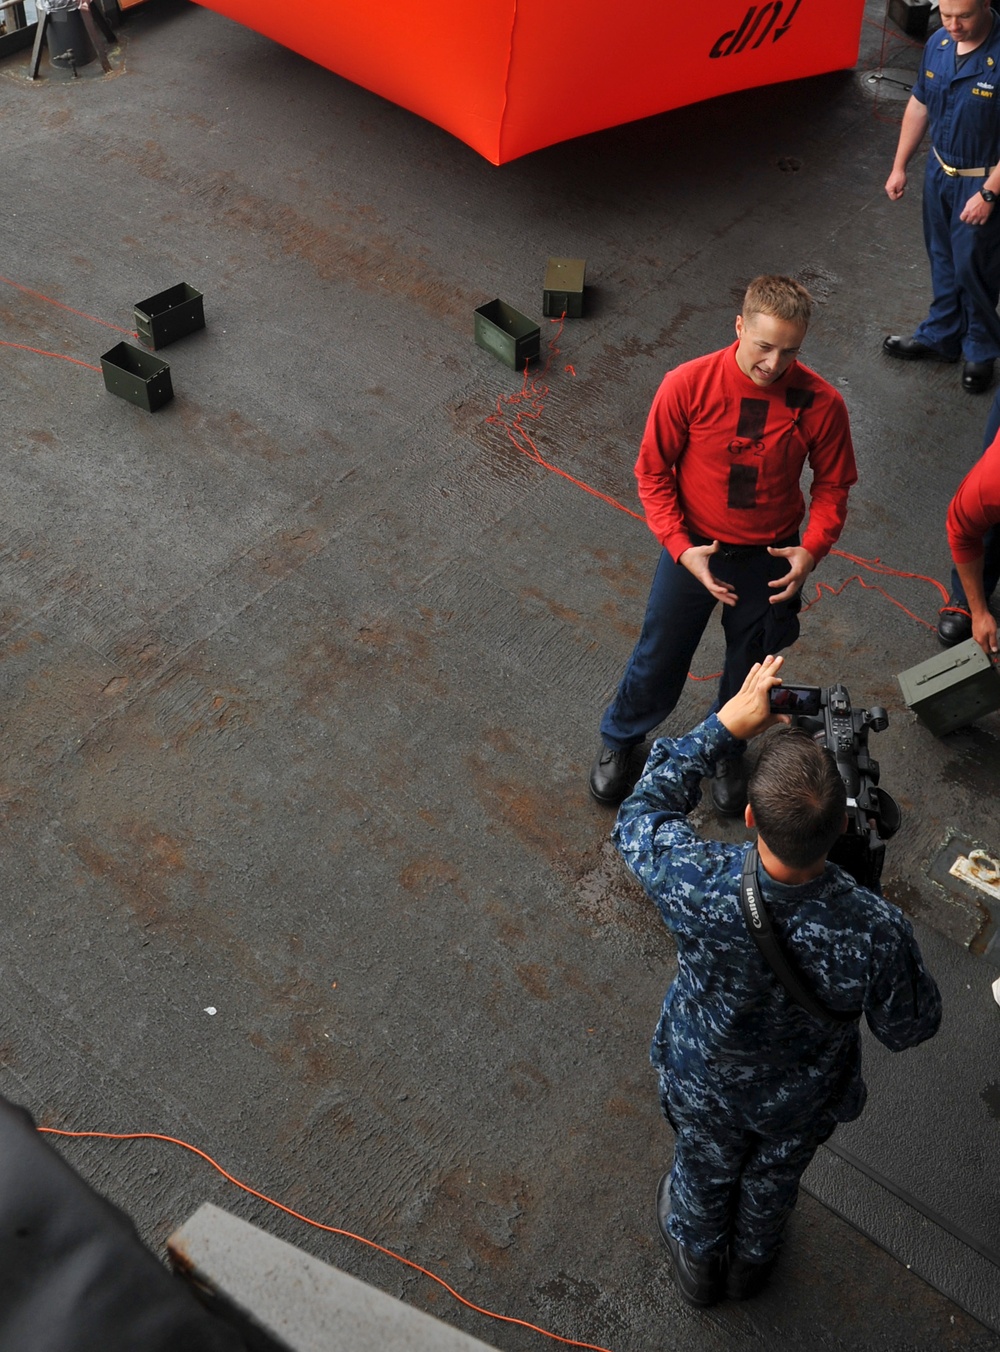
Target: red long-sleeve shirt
722, 457
975, 506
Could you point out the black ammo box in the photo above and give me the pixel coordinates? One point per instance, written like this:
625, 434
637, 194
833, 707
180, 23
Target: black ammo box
507, 333
169, 315
139, 377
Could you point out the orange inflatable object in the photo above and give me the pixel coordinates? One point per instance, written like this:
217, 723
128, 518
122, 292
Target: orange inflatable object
510, 76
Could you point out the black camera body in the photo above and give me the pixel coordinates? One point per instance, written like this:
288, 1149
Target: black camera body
873, 816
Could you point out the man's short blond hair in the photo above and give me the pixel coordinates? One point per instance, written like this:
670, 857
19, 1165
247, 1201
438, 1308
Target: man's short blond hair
782, 297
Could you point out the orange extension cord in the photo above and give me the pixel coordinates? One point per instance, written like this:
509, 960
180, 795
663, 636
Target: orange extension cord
42, 353
533, 395
83, 315
49, 301
319, 1225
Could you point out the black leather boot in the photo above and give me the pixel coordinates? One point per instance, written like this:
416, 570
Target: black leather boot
746, 1279
701, 1281
911, 349
612, 777
977, 376
954, 624
729, 787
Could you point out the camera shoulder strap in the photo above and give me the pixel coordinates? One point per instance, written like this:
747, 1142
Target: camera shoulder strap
763, 935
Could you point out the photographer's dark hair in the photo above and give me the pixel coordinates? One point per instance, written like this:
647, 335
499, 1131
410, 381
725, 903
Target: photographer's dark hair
797, 796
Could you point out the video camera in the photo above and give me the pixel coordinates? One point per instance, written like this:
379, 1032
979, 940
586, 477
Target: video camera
873, 816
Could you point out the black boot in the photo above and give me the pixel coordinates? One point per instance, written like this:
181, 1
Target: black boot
977, 376
954, 624
911, 349
729, 787
745, 1278
701, 1281
611, 776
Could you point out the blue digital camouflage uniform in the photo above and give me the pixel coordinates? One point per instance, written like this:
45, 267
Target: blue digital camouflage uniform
750, 1082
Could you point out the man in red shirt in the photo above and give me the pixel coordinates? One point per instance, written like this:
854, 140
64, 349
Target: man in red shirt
974, 539
718, 474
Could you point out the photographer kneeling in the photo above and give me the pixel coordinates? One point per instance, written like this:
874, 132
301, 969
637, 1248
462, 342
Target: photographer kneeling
751, 1082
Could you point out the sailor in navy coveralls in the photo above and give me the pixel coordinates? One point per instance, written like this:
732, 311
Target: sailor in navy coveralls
751, 1083
957, 97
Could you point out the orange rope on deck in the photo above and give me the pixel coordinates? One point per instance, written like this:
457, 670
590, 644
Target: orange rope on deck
319, 1225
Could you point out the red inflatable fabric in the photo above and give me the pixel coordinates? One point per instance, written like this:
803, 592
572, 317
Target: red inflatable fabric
510, 76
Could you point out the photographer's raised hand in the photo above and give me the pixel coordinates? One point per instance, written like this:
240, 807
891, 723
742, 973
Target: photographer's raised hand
749, 711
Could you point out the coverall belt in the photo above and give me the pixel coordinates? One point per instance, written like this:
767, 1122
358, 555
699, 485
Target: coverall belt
982, 172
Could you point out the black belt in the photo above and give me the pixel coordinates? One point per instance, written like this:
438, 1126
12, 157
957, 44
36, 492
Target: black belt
728, 551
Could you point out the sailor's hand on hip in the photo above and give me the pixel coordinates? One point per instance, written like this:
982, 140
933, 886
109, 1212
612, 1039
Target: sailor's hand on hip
695, 560
800, 565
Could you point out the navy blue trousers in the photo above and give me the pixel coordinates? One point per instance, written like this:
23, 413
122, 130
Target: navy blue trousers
965, 270
677, 613
733, 1188
991, 540
991, 571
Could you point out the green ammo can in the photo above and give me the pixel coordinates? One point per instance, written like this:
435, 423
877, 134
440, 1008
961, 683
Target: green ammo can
139, 377
952, 688
563, 293
170, 315
507, 333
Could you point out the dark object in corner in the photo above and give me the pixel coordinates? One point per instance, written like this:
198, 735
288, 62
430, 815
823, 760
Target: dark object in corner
75, 1276
76, 34
912, 16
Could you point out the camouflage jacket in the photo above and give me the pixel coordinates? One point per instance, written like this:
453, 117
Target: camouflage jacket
730, 1038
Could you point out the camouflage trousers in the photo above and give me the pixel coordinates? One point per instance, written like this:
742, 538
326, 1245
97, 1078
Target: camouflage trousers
734, 1188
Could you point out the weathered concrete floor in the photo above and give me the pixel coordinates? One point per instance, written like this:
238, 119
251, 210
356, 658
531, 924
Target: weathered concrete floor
302, 674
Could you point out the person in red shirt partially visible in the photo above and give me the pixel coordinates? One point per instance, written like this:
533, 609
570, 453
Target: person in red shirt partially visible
725, 444
974, 540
